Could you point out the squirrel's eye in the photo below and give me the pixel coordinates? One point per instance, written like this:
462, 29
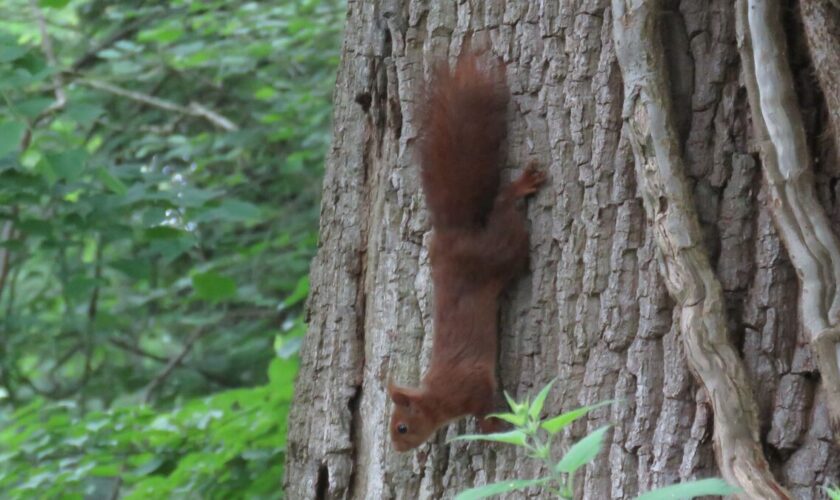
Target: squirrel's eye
402, 429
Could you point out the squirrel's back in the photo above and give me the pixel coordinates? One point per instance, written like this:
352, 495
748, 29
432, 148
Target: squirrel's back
463, 126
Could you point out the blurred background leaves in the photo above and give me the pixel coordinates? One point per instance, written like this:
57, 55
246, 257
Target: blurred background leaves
160, 167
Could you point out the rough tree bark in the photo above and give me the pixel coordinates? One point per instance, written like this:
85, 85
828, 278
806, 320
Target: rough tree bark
595, 311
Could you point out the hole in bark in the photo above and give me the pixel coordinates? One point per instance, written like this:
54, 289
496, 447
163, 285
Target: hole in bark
663, 204
364, 99
676, 42
323, 483
832, 190
353, 406
775, 455
396, 112
388, 45
353, 402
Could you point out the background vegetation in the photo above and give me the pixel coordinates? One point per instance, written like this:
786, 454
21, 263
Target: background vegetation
160, 167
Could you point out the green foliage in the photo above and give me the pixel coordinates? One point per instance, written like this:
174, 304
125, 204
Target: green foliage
230, 441
691, 489
582, 452
160, 167
536, 436
833, 493
499, 488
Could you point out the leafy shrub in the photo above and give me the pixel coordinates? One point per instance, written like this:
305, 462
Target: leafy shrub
160, 169
536, 437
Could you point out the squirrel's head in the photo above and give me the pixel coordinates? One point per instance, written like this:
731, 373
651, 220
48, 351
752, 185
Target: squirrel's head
411, 423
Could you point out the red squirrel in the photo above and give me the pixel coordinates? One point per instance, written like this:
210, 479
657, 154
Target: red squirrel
479, 245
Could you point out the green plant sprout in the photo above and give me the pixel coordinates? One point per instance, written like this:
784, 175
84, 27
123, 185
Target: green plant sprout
833, 492
536, 436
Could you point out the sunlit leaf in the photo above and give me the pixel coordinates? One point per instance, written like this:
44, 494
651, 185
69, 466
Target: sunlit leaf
166, 33
516, 437
499, 488
690, 489
556, 424
516, 407
517, 420
537, 404
213, 286
281, 375
299, 293
53, 4
105, 470
265, 93
582, 452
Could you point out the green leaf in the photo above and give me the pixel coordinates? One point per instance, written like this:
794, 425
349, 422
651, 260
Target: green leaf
148, 467
10, 135
539, 401
556, 424
84, 113
79, 287
190, 196
281, 376
833, 493
517, 408
213, 286
11, 51
691, 489
111, 182
68, 164
166, 33
31, 107
134, 268
499, 488
73, 196
105, 470
265, 93
299, 293
582, 452
517, 420
517, 437
53, 4
233, 211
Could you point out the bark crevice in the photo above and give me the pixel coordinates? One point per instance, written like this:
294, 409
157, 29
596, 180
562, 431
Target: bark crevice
802, 223
685, 263
821, 22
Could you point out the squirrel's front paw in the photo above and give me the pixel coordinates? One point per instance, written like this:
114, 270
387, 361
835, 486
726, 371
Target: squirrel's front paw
530, 180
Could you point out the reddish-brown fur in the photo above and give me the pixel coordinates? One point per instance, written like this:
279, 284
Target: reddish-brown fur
479, 245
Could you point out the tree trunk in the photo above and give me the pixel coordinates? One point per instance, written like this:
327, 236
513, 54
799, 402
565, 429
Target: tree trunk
595, 310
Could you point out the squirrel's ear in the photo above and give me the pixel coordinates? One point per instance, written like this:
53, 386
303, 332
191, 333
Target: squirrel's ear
401, 396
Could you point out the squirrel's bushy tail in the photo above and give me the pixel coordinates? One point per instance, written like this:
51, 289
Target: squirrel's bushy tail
462, 129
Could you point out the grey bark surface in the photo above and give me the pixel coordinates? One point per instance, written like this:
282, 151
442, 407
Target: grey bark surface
594, 311
650, 124
803, 225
